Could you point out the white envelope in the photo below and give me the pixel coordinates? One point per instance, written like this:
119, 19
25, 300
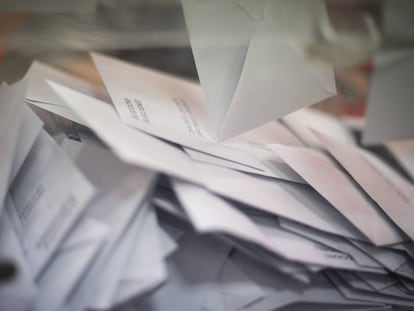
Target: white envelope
294, 201
164, 106
333, 184
168, 106
212, 214
130, 145
69, 264
44, 97
393, 193
249, 57
206, 220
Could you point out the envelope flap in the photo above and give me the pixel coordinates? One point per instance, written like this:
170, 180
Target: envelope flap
269, 85
219, 32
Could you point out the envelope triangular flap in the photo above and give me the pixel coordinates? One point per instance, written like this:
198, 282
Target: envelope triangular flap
273, 83
276, 78
220, 32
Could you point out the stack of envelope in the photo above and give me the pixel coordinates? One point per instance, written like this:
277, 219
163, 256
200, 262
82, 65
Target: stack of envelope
144, 209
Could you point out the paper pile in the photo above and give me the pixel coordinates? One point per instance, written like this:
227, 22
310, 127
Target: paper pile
145, 210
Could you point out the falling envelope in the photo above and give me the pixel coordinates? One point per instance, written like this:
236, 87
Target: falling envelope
250, 60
